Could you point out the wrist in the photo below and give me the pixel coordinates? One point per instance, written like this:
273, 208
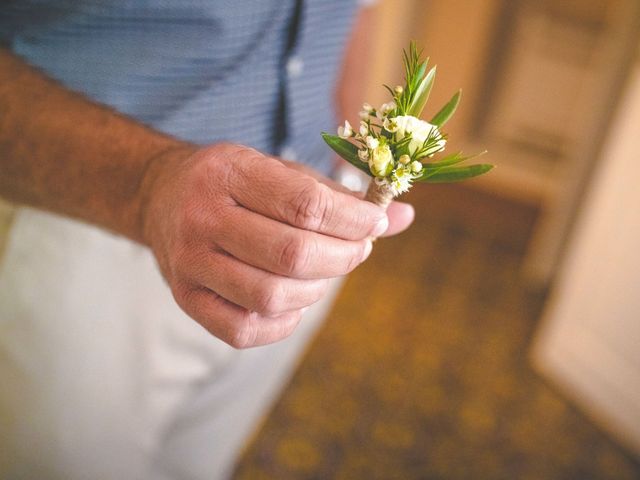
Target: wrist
155, 171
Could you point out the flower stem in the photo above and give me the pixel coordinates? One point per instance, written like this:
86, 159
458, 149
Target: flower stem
381, 195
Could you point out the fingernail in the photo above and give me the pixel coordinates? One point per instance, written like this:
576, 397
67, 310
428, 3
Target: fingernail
381, 227
367, 250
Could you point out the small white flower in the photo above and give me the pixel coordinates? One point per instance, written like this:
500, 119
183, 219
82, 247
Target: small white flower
363, 154
367, 111
390, 124
404, 159
381, 161
345, 131
401, 180
385, 108
416, 166
420, 131
364, 129
372, 142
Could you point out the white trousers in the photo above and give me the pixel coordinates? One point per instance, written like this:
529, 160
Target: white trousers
102, 376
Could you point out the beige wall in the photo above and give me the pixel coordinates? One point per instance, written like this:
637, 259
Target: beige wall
589, 343
454, 34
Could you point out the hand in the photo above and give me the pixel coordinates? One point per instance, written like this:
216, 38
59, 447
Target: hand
247, 242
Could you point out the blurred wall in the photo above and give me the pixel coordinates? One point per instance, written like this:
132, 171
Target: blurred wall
455, 35
590, 343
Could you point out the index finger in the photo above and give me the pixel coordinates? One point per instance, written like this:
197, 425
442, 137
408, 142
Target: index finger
284, 194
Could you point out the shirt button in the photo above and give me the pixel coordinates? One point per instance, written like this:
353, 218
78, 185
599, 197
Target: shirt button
295, 66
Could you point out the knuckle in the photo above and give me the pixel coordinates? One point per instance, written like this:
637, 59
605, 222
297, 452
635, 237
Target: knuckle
247, 334
183, 293
294, 256
311, 207
287, 327
270, 298
244, 335
245, 164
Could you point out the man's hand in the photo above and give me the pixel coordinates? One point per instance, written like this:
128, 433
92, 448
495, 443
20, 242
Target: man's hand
247, 243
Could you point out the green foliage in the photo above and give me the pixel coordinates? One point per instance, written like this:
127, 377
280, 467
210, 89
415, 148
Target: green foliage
410, 99
417, 86
451, 159
453, 174
446, 112
346, 150
421, 95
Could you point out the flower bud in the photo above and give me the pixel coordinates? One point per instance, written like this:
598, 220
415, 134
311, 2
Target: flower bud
381, 161
367, 111
385, 108
398, 90
416, 166
404, 159
363, 154
345, 131
364, 129
372, 142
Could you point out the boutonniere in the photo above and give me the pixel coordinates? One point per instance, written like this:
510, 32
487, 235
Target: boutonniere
395, 147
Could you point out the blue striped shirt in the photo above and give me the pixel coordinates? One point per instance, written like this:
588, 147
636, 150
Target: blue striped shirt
257, 72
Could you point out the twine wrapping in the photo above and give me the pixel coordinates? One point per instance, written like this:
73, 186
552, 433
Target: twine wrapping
381, 195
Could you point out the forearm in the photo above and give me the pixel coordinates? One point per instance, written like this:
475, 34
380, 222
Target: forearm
64, 153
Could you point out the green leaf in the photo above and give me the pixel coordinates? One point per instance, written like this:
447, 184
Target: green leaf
420, 71
451, 159
346, 150
405, 61
454, 174
447, 111
422, 94
445, 161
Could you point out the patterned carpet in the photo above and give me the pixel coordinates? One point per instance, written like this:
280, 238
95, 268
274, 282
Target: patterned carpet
421, 371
